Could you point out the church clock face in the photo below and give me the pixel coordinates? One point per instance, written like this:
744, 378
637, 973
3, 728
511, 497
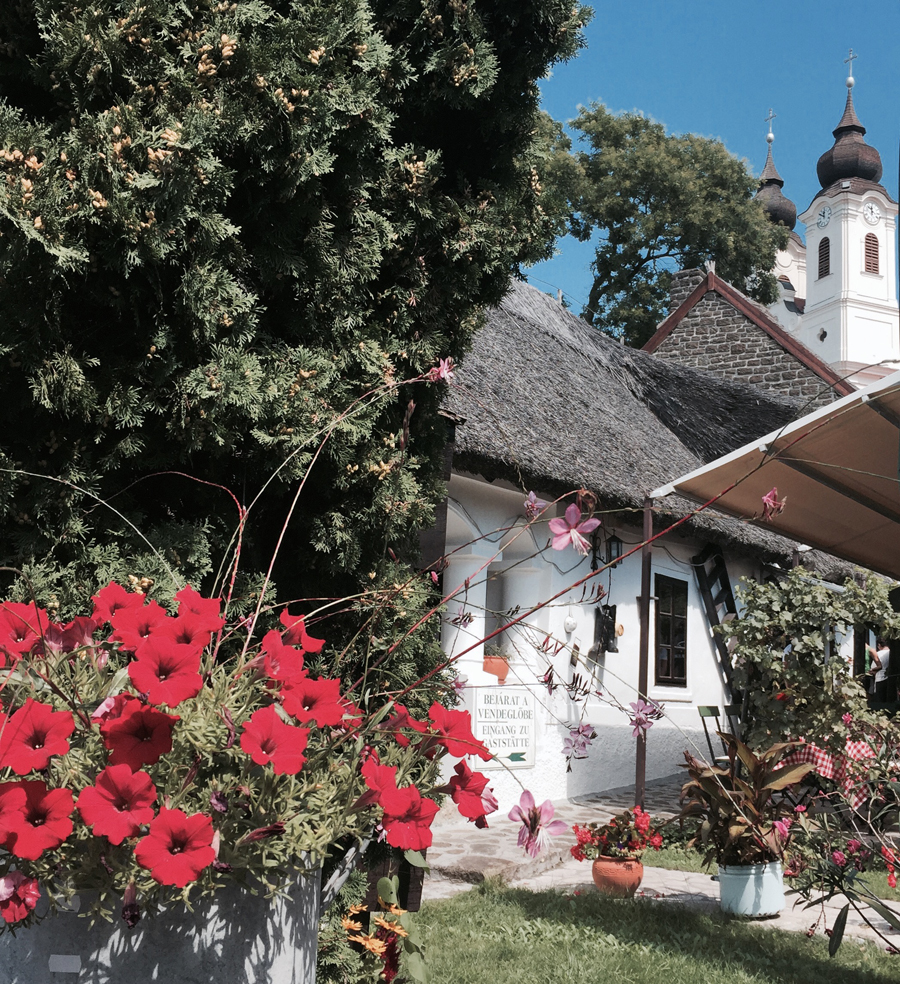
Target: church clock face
871, 212
824, 216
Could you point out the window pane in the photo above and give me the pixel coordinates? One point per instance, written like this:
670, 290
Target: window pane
664, 635
662, 663
671, 630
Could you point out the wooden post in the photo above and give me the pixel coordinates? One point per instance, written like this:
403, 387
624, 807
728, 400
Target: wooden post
640, 763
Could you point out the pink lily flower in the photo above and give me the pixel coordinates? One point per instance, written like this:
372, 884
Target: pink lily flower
772, 505
534, 506
537, 824
570, 530
443, 370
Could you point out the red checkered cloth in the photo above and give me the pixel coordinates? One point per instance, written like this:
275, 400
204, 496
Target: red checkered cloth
837, 767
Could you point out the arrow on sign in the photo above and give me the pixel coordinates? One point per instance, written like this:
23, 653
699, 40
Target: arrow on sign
517, 756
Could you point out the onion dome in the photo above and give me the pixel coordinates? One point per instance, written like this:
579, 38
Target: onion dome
851, 156
779, 208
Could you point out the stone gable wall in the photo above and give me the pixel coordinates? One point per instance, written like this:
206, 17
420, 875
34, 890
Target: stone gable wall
682, 285
717, 338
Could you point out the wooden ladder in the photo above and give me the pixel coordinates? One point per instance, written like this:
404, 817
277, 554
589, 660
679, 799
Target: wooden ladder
718, 600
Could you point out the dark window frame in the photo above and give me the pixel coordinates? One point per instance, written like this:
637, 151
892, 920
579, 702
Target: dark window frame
870, 252
824, 257
672, 606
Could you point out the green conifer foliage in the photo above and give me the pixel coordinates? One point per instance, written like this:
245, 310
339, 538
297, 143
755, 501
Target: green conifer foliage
222, 223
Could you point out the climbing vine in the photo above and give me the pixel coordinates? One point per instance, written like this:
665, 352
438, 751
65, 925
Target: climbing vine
788, 658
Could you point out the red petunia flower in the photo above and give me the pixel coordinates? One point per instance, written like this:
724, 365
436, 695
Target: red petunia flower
407, 818
378, 778
167, 672
111, 708
177, 848
319, 700
141, 735
32, 735
469, 791
187, 629
132, 626
107, 601
267, 738
205, 610
71, 636
21, 626
42, 822
400, 719
295, 633
281, 662
353, 715
18, 896
12, 806
454, 730
118, 803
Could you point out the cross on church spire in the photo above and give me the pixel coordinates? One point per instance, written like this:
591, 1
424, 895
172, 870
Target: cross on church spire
849, 60
771, 136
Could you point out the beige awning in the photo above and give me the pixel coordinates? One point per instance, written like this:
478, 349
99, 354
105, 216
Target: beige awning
836, 468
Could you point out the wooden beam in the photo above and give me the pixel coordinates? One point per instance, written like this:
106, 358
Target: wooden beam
640, 758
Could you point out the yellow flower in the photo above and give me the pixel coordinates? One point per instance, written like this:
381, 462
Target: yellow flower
370, 943
390, 926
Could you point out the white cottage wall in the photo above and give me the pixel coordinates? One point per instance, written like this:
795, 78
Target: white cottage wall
492, 514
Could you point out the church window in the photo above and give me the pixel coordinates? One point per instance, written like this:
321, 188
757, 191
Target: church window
824, 257
871, 253
671, 631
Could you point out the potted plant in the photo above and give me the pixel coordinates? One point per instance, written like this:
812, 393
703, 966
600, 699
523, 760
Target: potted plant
158, 762
615, 848
743, 825
496, 662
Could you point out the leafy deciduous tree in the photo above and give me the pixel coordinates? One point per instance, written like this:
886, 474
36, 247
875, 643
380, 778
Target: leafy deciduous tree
655, 202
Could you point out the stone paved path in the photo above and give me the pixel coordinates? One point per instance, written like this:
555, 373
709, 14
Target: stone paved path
462, 856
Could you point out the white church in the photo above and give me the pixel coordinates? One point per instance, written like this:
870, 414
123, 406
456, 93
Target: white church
839, 295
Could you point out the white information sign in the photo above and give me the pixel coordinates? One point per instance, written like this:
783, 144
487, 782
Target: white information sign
504, 721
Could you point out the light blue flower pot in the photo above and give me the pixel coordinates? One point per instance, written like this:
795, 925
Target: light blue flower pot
752, 890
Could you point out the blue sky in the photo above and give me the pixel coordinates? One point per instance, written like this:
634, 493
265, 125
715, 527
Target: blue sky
715, 69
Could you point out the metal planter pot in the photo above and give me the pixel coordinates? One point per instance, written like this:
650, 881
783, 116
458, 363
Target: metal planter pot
752, 890
234, 937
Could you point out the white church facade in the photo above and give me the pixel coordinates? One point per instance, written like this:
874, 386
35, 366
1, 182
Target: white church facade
838, 290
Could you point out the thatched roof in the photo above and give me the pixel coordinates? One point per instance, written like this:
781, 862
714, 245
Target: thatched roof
551, 404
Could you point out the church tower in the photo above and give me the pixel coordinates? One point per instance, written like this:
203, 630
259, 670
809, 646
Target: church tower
851, 320
790, 263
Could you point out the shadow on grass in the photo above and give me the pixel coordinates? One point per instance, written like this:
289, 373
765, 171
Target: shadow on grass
721, 946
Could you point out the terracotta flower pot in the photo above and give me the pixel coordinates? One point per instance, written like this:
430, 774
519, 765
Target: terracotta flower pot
497, 666
618, 877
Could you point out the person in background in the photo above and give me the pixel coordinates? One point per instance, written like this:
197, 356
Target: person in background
881, 658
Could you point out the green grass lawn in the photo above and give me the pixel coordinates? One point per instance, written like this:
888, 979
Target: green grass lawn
498, 935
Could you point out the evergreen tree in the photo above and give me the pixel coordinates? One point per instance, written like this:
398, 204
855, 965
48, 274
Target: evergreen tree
221, 225
653, 203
